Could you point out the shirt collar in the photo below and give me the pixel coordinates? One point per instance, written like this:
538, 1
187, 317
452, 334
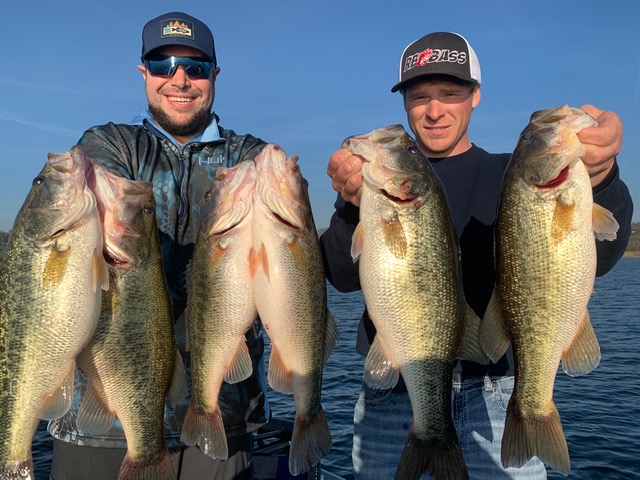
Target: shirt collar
210, 134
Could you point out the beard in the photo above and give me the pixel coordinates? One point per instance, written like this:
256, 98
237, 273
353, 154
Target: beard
194, 126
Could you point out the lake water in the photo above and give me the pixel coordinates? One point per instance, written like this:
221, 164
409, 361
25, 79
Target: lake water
600, 411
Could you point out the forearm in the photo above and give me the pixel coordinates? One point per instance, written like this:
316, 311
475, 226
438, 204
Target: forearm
335, 243
613, 195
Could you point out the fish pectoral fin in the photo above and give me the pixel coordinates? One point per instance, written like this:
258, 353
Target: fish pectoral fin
241, 366
356, 243
258, 260
379, 371
94, 416
583, 353
470, 348
279, 376
394, 236
331, 335
100, 271
59, 401
605, 226
493, 338
179, 388
56, 267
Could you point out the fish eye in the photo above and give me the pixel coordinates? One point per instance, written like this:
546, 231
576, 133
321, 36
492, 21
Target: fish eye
148, 209
412, 149
38, 180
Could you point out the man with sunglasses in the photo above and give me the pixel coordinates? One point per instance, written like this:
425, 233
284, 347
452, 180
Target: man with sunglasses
177, 144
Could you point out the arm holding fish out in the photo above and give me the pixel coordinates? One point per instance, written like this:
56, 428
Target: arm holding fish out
602, 143
340, 269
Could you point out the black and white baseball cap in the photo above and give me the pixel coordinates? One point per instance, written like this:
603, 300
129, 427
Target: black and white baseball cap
439, 53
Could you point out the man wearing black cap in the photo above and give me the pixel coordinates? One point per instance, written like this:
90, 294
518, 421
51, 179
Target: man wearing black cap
177, 144
439, 78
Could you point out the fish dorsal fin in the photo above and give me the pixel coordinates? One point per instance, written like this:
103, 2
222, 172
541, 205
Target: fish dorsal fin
59, 401
379, 372
470, 348
493, 338
279, 376
605, 226
583, 353
179, 385
94, 416
241, 366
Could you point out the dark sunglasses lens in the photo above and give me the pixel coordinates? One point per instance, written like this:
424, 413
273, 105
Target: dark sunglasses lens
199, 69
196, 68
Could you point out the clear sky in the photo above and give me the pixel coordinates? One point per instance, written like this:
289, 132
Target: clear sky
305, 74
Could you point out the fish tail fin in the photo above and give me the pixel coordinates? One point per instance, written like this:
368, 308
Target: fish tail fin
154, 468
205, 430
311, 439
541, 436
438, 458
16, 471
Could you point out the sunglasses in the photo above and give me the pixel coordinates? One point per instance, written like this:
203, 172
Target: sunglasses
166, 66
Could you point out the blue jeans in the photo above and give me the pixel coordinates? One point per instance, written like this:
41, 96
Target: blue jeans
382, 419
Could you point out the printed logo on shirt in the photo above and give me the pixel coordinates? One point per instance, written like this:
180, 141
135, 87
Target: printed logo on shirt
176, 27
436, 55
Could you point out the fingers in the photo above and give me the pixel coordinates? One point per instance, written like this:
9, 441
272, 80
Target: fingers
345, 171
602, 143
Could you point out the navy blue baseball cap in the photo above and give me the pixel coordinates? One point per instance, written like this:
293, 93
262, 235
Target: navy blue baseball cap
177, 28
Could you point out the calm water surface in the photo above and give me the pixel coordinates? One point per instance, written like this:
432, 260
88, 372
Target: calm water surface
600, 411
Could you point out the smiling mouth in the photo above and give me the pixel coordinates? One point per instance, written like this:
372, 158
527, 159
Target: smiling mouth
183, 100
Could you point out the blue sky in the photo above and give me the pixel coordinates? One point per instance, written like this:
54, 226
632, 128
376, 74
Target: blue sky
305, 74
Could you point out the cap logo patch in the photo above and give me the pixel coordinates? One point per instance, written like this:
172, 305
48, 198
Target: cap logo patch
177, 28
436, 55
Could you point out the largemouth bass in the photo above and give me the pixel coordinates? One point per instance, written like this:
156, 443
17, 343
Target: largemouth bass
51, 283
411, 280
290, 295
545, 268
131, 358
220, 305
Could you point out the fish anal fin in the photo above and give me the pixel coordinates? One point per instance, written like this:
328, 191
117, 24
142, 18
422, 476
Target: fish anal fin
279, 376
493, 338
58, 402
583, 353
470, 348
94, 415
379, 371
331, 336
178, 388
241, 366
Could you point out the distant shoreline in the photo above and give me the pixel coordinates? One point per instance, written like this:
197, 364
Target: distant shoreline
631, 254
